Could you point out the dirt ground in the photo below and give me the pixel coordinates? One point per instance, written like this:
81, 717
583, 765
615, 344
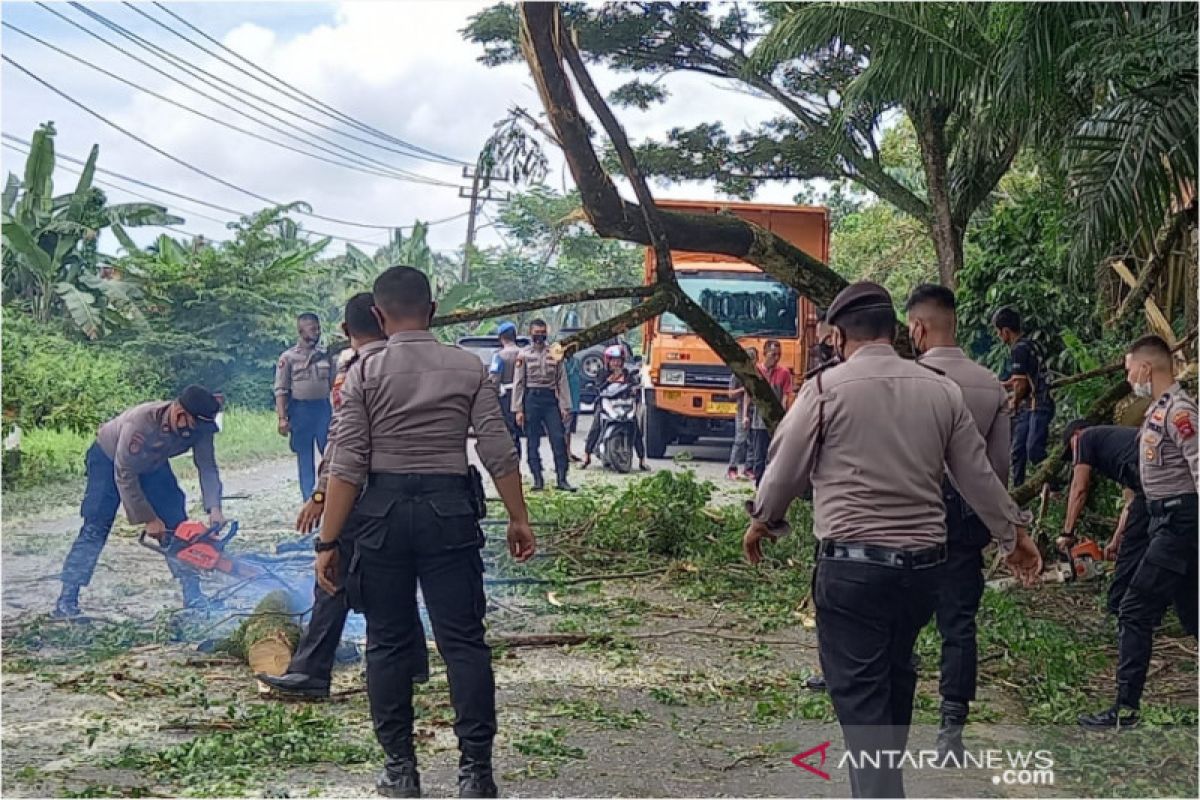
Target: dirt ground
679, 704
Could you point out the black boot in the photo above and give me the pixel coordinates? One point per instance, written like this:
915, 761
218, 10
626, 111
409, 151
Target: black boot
296, 684
815, 683
400, 777
562, 484
538, 483
1110, 719
475, 777
949, 739
67, 606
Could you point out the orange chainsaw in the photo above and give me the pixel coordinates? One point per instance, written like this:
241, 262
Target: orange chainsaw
202, 547
1085, 560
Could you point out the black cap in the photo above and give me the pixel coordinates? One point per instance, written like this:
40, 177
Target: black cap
200, 403
856, 297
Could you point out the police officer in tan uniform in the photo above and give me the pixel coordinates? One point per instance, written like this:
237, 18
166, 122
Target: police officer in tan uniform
872, 439
502, 372
129, 464
933, 328
400, 486
303, 379
1168, 571
542, 399
309, 672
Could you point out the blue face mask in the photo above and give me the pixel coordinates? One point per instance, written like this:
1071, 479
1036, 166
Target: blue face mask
539, 338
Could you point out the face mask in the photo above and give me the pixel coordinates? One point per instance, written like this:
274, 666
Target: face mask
539, 338
825, 351
1143, 389
839, 345
916, 336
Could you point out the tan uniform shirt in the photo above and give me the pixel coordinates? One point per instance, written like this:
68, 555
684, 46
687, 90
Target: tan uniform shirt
140, 440
505, 361
335, 400
986, 400
304, 373
1167, 442
891, 429
538, 369
406, 410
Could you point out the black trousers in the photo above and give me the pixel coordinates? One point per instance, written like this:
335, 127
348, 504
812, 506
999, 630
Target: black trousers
868, 618
1166, 576
760, 442
317, 650
541, 411
1133, 548
414, 529
958, 596
593, 438
510, 420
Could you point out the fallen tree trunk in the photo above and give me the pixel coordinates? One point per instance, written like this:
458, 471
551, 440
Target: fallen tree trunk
267, 638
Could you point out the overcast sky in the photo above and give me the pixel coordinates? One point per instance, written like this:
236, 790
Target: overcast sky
400, 67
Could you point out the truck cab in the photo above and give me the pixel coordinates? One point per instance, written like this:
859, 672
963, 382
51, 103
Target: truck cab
688, 386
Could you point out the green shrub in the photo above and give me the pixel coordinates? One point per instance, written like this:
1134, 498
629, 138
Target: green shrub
53, 382
50, 455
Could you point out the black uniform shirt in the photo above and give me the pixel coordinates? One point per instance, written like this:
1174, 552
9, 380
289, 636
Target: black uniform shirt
1111, 450
1027, 363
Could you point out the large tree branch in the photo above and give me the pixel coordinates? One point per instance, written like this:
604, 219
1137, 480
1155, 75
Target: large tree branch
720, 340
582, 296
613, 217
661, 300
986, 176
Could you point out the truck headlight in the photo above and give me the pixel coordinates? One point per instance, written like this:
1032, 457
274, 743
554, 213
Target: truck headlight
672, 377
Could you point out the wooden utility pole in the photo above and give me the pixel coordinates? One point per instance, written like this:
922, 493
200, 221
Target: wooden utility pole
479, 193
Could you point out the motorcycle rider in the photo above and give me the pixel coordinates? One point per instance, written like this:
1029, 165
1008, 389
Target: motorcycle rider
614, 358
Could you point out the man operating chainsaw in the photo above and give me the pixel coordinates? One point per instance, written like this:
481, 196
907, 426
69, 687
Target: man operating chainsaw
309, 672
129, 464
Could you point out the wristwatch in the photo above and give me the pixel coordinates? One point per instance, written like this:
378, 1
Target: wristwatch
321, 546
318, 497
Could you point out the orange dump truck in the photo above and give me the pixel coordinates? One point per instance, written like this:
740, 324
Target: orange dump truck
688, 388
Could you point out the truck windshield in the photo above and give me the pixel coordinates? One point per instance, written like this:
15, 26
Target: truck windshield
745, 303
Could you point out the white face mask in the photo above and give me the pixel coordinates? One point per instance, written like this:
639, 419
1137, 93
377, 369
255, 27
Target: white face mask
1143, 389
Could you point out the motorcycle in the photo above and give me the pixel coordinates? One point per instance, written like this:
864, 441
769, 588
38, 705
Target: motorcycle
617, 416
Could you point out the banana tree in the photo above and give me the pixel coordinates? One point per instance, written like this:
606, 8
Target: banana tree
50, 257
415, 251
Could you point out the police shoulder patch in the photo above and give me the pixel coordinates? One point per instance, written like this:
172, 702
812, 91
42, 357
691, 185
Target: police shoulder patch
1183, 423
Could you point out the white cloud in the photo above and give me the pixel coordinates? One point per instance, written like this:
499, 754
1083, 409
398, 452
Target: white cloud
400, 66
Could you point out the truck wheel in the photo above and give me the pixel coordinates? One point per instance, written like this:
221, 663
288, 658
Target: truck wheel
658, 432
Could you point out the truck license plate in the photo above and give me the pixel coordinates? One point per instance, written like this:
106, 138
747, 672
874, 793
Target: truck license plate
722, 408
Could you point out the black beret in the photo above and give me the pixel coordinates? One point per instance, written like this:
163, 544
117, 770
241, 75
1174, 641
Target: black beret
858, 296
200, 403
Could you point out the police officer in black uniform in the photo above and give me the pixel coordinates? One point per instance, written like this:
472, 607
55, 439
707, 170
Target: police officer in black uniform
1112, 451
402, 434
1167, 573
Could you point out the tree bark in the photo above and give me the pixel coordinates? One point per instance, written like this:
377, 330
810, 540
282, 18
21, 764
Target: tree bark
661, 301
613, 217
947, 233
581, 296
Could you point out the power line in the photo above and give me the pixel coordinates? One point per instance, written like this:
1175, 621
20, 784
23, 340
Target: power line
197, 201
321, 105
212, 81
354, 166
180, 161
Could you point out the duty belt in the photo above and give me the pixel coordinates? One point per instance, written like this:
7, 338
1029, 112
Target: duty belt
1166, 505
549, 389
884, 556
406, 485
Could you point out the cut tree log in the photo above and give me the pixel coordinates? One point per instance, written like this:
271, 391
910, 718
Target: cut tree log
267, 638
